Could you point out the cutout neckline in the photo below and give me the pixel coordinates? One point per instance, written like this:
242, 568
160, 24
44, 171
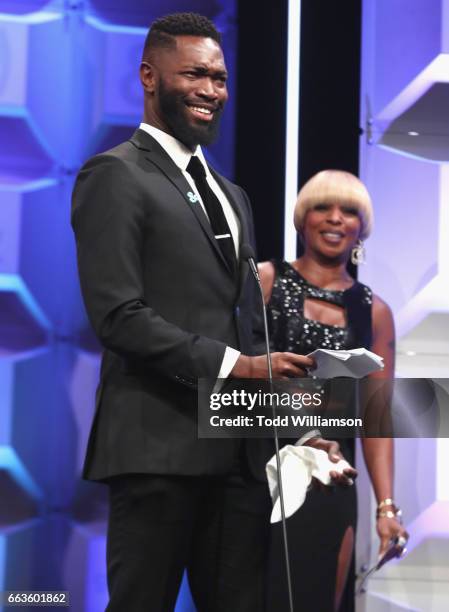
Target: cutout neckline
317, 286
332, 291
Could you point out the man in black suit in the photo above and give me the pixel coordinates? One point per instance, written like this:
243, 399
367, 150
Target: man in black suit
171, 302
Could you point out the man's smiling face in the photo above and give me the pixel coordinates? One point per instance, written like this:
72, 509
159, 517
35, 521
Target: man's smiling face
189, 90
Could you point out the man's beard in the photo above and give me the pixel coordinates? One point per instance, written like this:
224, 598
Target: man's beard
174, 112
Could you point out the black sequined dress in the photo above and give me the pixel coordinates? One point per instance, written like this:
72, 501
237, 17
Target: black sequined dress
316, 530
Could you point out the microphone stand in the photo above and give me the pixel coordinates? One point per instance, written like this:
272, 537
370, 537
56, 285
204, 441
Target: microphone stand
253, 267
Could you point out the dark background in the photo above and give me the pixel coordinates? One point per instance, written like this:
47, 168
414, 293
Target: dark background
329, 102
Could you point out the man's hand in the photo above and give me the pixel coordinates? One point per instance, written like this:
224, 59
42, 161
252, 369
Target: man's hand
284, 366
333, 452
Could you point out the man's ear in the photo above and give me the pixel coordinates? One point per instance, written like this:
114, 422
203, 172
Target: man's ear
148, 76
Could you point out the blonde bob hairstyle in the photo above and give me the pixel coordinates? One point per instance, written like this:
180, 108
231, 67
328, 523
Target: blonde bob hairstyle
335, 187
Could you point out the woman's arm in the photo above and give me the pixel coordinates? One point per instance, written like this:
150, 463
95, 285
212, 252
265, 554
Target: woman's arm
379, 452
266, 273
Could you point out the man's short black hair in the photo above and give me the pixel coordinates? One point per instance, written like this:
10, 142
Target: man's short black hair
164, 29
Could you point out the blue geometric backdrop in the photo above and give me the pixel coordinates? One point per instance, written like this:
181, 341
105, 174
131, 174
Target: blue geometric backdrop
68, 88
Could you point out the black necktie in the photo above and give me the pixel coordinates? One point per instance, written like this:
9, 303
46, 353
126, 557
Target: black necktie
214, 211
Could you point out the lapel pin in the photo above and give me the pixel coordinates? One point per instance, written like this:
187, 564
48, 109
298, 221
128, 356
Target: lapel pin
192, 197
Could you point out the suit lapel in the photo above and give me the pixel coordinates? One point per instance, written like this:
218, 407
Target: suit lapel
160, 158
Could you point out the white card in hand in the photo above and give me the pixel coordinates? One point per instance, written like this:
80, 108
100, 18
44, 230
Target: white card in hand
355, 363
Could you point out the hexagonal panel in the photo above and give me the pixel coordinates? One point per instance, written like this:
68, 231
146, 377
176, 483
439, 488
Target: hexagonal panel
423, 129
13, 48
108, 136
116, 94
84, 567
426, 311
133, 12
400, 40
405, 70
29, 40
82, 383
22, 157
23, 327
429, 336
21, 506
34, 555
37, 263
38, 435
23, 7
375, 602
420, 581
406, 205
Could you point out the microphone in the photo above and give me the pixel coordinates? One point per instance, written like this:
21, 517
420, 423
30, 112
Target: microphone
247, 253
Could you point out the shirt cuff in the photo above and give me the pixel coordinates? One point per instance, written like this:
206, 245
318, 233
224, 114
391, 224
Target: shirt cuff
313, 433
229, 361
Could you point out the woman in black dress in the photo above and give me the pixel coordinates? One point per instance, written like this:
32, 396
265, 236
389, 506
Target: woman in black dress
312, 303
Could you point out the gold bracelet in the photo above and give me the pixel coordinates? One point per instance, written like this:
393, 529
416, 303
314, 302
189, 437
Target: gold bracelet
396, 514
386, 514
386, 502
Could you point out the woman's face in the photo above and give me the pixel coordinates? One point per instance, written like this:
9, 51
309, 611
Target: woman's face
331, 230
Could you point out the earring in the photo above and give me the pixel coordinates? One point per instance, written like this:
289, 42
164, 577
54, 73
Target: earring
358, 254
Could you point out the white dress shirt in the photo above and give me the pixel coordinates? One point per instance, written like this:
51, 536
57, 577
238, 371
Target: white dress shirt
181, 155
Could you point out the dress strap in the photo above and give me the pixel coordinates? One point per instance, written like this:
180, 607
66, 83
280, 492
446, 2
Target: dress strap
359, 302
278, 266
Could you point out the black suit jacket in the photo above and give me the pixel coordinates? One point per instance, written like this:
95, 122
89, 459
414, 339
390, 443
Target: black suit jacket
164, 306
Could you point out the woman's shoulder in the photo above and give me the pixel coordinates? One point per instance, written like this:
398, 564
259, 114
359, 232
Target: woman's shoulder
270, 270
363, 292
381, 308
267, 270
267, 273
